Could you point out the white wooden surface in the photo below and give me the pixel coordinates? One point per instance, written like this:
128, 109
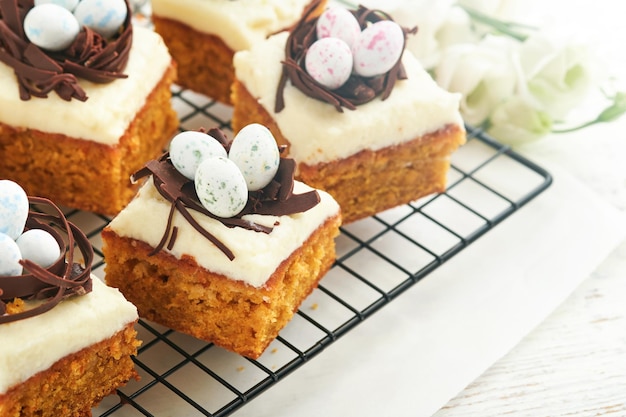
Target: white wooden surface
573, 364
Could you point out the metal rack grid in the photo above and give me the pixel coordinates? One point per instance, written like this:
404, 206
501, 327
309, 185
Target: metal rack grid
378, 259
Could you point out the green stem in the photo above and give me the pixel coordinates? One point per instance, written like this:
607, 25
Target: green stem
573, 129
506, 28
614, 111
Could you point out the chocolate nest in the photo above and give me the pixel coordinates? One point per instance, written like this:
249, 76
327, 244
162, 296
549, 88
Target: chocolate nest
63, 279
39, 72
357, 90
276, 199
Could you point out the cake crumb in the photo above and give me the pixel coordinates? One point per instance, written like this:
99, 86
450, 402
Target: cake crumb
15, 307
314, 306
240, 368
274, 350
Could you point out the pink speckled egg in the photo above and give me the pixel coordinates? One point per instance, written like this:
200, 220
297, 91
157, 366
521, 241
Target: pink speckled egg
337, 22
329, 62
378, 48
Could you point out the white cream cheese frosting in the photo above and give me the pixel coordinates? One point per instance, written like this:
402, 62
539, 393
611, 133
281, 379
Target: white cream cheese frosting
240, 24
318, 133
257, 254
33, 345
110, 107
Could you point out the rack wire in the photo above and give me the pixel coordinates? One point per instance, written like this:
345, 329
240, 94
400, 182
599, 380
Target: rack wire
378, 259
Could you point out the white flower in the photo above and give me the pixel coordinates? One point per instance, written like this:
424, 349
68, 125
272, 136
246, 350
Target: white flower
427, 15
517, 121
483, 73
559, 73
455, 29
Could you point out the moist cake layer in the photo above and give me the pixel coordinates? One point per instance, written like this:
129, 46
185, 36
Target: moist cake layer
109, 109
318, 133
74, 324
257, 254
183, 296
239, 24
77, 382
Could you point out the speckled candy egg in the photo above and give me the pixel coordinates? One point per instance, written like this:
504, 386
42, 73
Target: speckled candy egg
39, 246
221, 187
329, 62
378, 48
255, 152
51, 27
103, 16
338, 22
9, 257
13, 209
66, 4
188, 150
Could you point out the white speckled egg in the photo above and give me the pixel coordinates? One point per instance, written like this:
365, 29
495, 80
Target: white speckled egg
221, 187
66, 4
188, 149
39, 246
103, 16
378, 48
13, 209
329, 62
338, 22
9, 256
51, 27
255, 152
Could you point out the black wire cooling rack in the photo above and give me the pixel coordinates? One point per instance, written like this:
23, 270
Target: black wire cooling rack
378, 259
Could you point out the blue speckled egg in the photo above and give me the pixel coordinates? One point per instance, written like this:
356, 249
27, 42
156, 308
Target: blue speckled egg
66, 4
39, 246
221, 187
255, 152
103, 16
189, 149
13, 208
51, 27
9, 256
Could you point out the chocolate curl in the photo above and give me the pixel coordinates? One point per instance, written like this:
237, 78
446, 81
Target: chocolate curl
10, 13
357, 90
220, 136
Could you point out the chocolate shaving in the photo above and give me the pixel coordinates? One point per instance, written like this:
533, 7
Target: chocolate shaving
357, 90
63, 279
39, 72
276, 199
